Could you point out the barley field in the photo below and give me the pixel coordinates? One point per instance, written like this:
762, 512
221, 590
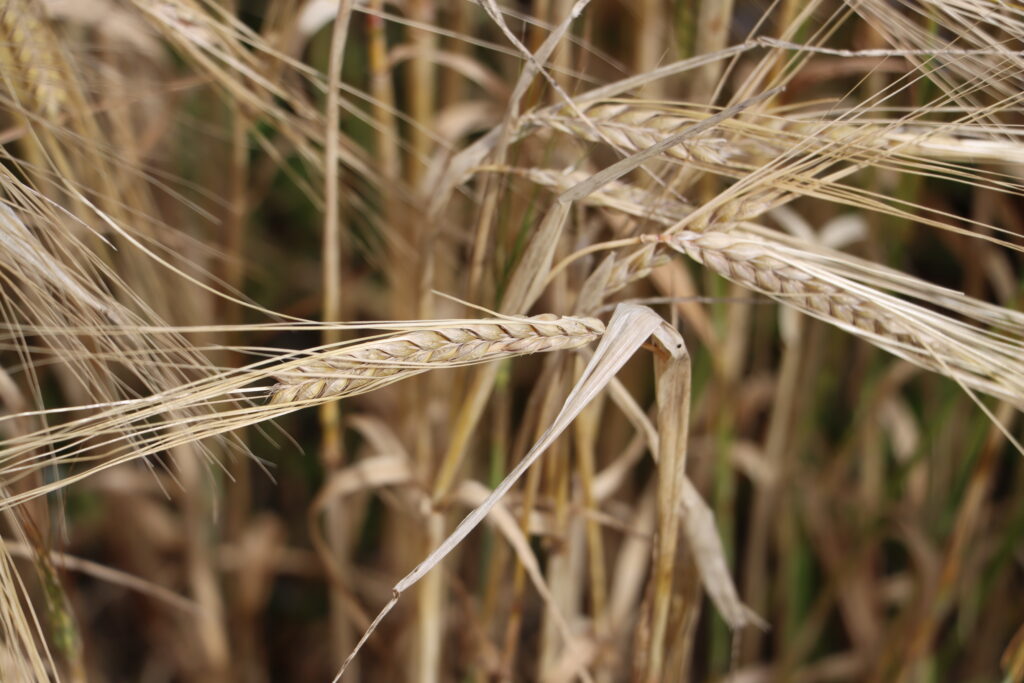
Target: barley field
476, 340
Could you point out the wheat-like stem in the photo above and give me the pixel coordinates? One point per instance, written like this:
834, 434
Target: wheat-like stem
367, 366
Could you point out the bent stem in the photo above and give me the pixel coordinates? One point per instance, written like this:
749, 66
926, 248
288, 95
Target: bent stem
672, 367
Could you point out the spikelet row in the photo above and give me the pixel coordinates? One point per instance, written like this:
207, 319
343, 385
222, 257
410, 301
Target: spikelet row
631, 128
364, 367
30, 55
928, 339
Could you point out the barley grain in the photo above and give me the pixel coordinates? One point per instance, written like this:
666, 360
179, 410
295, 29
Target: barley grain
364, 367
636, 266
633, 127
926, 338
33, 60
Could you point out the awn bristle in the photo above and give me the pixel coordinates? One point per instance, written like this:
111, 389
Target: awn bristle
364, 367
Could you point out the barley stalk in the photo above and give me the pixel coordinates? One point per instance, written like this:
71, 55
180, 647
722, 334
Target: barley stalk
364, 367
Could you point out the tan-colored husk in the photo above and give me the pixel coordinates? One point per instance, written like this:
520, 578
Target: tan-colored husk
363, 367
925, 338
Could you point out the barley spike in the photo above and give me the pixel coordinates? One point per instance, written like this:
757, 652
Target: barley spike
363, 367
